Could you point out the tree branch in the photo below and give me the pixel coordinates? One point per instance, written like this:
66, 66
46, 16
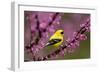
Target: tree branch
81, 31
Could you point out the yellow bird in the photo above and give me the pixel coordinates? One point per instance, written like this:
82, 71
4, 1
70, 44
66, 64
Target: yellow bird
56, 39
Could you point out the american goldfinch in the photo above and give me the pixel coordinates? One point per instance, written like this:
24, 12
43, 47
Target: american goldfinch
56, 39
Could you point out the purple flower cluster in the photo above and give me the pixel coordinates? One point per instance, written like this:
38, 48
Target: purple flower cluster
79, 35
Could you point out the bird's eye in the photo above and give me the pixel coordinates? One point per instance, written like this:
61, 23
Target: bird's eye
62, 32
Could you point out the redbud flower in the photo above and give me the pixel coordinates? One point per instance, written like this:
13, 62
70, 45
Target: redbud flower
83, 37
43, 25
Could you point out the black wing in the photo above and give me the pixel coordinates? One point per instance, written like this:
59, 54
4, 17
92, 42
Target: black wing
53, 41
